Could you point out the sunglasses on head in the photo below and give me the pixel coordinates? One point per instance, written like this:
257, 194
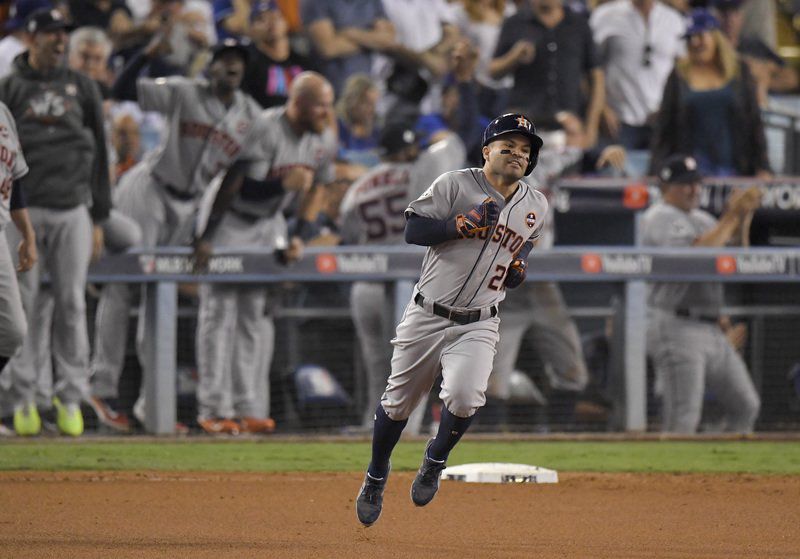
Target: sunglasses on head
647, 55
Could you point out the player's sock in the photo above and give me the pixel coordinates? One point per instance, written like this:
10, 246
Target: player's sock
451, 428
385, 435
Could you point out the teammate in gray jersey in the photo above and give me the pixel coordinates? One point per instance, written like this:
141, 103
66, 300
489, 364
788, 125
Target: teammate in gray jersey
686, 334
13, 324
479, 226
209, 127
372, 213
296, 151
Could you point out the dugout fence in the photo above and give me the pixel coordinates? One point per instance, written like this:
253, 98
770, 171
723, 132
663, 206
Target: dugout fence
601, 285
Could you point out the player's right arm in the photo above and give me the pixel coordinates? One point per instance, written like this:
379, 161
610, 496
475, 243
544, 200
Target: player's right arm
125, 86
429, 220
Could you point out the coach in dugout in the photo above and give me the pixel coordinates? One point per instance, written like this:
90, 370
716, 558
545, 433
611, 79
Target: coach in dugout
60, 121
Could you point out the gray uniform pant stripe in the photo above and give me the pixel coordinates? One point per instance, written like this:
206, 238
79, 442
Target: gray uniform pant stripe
64, 243
426, 345
692, 357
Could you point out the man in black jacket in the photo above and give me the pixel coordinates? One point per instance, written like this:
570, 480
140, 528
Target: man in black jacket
59, 116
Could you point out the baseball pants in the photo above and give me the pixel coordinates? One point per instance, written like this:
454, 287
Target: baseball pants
426, 345
537, 309
163, 220
13, 324
690, 357
64, 243
231, 331
120, 233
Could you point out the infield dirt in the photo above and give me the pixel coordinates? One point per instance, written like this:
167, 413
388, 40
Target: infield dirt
153, 514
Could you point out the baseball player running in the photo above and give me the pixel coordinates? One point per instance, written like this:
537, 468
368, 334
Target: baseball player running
371, 213
298, 147
210, 126
13, 324
479, 226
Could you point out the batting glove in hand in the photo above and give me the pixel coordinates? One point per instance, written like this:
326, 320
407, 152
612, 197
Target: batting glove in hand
480, 218
516, 273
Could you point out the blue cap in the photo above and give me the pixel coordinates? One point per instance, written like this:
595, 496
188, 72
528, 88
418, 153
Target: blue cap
263, 6
700, 21
20, 10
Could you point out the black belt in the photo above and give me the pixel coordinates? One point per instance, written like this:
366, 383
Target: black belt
246, 216
176, 192
686, 313
461, 317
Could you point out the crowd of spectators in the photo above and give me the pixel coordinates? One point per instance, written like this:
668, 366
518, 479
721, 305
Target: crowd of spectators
645, 76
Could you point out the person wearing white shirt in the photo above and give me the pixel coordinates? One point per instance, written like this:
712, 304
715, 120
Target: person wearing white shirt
638, 42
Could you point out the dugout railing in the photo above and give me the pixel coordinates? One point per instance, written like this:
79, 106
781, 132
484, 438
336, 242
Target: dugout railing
628, 267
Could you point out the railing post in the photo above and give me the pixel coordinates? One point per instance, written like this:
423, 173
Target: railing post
160, 357
634, 363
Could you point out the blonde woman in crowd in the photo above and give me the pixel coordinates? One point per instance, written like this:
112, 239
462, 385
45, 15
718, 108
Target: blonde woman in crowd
710, 107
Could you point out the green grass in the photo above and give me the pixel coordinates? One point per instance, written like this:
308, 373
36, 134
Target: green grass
761, 457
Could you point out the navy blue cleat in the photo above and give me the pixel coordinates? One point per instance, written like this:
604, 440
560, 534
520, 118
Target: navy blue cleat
370, 499
426, 484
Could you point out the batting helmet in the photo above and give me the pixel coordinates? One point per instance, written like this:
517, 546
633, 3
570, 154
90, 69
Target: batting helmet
515, 123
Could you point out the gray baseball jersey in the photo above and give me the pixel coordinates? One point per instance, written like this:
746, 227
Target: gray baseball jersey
12, 162
12, 167
277, 149
470, 274
373, 210
665, 225
203, 137
462, 274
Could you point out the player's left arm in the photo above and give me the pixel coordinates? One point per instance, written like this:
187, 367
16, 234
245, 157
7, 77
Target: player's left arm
518, 268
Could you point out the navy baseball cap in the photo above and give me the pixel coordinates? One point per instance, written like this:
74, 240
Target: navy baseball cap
19, 11
46, 20
700, 21
230, 44
725, 5
263, 6
396, 137
679, 169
